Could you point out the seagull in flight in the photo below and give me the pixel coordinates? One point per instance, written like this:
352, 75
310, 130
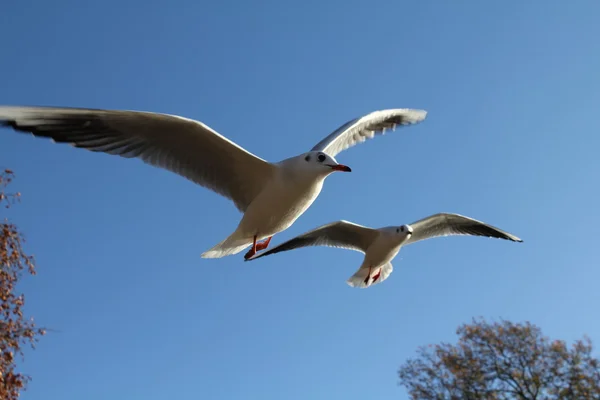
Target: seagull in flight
380, 246
271, 196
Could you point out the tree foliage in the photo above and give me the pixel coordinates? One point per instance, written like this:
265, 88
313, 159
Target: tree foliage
15, 330
501, 361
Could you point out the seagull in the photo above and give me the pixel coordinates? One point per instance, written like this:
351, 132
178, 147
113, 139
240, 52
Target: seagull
381, 245
271, 196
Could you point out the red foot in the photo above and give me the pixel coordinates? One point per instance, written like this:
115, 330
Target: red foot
249, 254
257, 247
264, 244
377, 275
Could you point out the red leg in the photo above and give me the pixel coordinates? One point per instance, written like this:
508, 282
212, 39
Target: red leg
366, 281
264, 244
377, 275
252, 251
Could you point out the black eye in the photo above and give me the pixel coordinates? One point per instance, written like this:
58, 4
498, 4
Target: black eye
307, 158
402, 229
397, 230
321, 157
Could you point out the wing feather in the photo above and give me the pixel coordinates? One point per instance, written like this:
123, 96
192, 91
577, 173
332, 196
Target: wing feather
360, 129
341, 234
183, 146
446, 224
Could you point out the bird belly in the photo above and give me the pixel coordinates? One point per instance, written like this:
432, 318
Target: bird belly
276, 208
380, 253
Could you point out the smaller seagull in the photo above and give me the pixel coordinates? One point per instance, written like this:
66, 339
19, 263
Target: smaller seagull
380, 246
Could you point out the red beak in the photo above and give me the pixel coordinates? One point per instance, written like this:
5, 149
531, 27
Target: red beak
340, 167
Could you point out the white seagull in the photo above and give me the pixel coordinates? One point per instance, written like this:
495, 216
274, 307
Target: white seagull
271, 196
380, 246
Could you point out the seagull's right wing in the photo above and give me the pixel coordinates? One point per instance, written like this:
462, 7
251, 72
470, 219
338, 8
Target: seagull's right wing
445, 224
180, 145
341, 234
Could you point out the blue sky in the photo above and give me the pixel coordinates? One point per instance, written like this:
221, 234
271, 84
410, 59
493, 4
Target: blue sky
511, 138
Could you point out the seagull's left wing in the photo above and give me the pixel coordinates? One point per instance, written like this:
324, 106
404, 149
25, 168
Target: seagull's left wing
360, 129
341, 234
445, 224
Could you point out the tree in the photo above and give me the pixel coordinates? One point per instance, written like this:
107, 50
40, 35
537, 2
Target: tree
501, 361
15, 330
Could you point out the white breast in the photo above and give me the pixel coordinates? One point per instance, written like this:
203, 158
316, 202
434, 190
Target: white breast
278, 205
383, 250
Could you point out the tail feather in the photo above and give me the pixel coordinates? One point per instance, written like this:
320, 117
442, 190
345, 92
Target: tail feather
358, 279
227, 247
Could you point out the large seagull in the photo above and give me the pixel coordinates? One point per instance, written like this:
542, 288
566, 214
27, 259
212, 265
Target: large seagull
271, 196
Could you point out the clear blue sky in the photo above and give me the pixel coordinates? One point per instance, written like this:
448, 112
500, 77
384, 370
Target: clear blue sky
511, 138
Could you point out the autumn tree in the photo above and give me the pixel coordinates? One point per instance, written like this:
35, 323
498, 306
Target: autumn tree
502, 361
15, 330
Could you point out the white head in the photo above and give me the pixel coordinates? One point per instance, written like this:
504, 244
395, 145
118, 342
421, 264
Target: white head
317, 162
403, 232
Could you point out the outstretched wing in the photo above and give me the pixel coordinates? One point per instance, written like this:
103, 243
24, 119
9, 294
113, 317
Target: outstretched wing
341, 234
183, 146
360, 129
445, 224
